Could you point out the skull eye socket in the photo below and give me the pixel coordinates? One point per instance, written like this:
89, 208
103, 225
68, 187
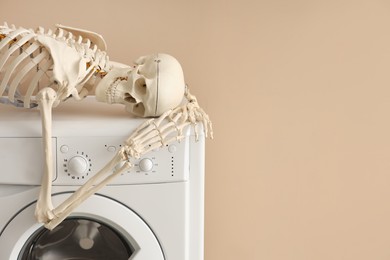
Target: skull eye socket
140, 86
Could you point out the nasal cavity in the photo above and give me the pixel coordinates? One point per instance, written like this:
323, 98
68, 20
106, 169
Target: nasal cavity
129, 98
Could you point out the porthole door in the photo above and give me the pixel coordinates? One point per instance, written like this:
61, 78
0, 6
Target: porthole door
99, 229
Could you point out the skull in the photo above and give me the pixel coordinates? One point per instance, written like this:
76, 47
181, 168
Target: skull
151, 87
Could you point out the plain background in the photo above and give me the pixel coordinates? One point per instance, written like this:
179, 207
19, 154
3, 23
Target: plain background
299, 95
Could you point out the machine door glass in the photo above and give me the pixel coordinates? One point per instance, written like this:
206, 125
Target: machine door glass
77, 238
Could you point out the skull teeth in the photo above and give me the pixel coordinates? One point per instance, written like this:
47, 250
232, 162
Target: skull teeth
113, 94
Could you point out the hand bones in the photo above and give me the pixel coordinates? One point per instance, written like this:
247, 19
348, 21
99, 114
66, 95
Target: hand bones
67, 66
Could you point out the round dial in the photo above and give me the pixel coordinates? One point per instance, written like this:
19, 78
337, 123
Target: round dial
78, 165
146, 165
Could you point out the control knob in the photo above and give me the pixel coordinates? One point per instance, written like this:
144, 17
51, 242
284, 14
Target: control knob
78, 166
146, 165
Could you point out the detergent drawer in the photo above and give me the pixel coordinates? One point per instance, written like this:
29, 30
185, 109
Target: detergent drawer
22, 159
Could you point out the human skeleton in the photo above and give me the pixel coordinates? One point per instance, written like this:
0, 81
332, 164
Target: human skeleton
72, 63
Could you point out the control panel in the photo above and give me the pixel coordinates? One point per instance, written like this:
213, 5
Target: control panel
85, 137
76, 159
79, 158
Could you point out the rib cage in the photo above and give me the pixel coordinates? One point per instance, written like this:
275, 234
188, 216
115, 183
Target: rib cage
26, 65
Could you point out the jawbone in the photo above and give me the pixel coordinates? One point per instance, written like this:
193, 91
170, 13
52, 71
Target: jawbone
110, 90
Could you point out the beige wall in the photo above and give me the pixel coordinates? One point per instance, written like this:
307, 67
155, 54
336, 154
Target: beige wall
299, 94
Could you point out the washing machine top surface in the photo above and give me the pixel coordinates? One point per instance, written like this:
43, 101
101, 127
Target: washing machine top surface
72, 118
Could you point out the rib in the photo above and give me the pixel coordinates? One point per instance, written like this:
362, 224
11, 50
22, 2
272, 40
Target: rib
13, 48
23, 72
14, 64
12, 36
34, 82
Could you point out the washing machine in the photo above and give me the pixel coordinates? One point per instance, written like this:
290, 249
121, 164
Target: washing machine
154, 211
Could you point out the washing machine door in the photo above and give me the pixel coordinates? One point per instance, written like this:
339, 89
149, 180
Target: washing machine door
99, 229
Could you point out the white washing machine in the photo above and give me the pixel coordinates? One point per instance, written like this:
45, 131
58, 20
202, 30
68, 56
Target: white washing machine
152, 212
